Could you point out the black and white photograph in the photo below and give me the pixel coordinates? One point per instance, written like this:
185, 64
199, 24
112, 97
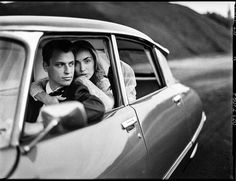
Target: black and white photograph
117, 90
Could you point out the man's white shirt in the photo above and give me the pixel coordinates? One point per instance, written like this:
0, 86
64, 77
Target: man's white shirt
48, 91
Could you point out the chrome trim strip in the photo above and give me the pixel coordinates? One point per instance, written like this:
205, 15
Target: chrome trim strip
194, 151
203, 120
177, 162
189, 145
119, 70
146, 78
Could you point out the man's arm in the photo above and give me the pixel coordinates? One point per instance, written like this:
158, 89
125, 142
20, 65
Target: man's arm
94, 107
107, 99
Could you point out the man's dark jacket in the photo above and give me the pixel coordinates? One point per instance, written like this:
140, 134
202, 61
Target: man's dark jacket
76, 91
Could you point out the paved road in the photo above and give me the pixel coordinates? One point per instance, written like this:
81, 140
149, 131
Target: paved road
211, 77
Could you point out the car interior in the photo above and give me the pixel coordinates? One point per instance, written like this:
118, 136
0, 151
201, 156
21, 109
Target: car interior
140, 59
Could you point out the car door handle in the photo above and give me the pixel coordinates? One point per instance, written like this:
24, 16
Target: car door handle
177, 99
129, 124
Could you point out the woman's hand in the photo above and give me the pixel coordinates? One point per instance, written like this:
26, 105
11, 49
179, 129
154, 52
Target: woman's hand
82, 79
108, 100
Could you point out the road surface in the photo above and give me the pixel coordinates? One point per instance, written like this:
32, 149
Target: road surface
212, 78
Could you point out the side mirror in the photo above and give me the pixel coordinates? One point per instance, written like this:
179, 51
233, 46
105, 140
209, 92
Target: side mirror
70, 115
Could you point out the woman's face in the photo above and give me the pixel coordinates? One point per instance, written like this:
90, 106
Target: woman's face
84, 64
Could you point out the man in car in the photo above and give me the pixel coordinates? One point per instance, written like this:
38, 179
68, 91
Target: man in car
58, 62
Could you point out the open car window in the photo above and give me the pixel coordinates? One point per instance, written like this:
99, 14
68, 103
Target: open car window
139, 57
103, 54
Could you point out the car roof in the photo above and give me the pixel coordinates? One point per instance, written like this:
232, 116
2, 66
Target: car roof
68, 24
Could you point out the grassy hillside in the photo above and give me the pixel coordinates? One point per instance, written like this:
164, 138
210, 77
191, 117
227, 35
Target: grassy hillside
183, 31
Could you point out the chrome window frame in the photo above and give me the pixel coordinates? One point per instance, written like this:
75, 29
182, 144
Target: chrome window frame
155, 66
119, 70
167, 74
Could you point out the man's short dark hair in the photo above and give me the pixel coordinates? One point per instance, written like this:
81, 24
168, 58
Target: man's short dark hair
50, 47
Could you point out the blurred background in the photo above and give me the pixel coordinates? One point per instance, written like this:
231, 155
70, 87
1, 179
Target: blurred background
199, 36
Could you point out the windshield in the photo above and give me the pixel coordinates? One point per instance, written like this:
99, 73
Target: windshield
12, 58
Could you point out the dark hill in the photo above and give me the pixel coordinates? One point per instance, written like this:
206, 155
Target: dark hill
183, 31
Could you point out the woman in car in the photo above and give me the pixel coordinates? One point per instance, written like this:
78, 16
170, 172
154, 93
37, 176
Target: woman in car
87, 71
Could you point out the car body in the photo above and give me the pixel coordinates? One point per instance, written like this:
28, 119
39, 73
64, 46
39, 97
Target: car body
146, 138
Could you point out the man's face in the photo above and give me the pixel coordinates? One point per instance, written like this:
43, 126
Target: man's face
61, 69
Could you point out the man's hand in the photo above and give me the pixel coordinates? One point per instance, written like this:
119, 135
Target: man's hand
46, 99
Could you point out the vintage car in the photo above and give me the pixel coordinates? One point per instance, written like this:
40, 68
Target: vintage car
146, 138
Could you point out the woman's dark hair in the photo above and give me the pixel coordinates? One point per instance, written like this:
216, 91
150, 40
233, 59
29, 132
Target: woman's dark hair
85, 45
51, 46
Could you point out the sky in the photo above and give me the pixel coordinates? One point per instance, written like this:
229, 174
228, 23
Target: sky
219, 7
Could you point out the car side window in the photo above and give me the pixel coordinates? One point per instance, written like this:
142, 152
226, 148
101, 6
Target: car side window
140, 57
169, 78
13, 56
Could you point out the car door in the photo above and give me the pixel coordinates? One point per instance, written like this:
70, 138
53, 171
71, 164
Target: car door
102, 150
107, 149
191, 100
159, 108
